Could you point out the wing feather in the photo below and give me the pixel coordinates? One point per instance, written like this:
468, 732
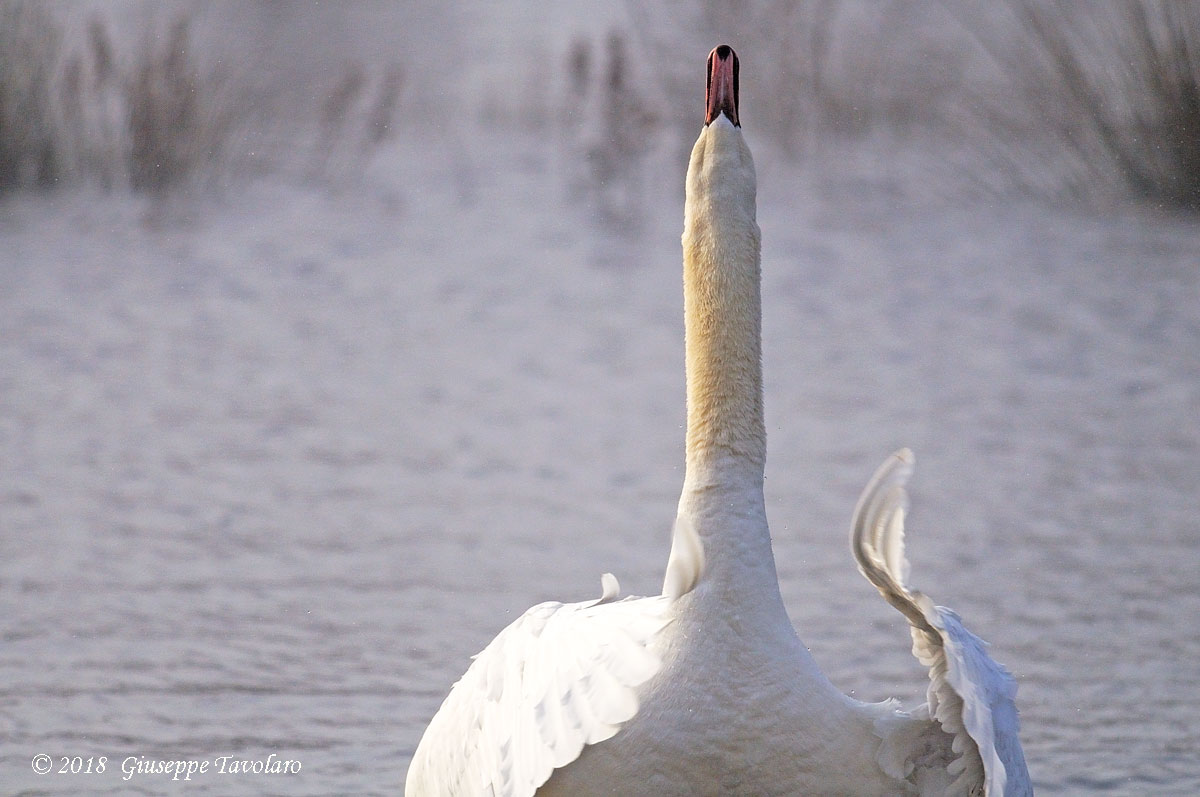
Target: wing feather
558, 678
971, 696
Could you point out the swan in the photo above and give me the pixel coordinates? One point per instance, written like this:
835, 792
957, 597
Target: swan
706, 689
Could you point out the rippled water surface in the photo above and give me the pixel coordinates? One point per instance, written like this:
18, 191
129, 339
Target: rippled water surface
273, 468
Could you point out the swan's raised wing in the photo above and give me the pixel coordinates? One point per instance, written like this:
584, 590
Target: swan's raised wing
560, 677
970, 695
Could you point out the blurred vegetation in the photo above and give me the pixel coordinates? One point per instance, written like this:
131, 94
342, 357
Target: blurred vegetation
176, 126
151, 116
1036, 96
31, 150
151, 122
1118, 85
1041, 95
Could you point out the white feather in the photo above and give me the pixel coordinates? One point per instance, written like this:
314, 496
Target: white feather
559, 677
685, 564
970, 695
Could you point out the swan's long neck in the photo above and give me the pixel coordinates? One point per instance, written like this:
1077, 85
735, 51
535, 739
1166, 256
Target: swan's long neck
722, 537
726, 440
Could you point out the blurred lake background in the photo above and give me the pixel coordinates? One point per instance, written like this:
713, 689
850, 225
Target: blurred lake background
333, 336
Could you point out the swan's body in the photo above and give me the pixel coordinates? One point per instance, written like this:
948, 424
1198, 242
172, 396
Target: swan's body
706, 689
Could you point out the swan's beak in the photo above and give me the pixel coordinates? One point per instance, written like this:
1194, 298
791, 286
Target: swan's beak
722, 94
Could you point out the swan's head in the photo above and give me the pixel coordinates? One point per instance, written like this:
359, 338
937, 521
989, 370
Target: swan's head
722, 94
720, 182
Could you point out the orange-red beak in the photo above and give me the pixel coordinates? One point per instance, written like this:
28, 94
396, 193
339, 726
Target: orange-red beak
722, 94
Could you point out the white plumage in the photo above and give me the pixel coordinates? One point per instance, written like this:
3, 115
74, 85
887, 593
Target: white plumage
706, 689
562, 676
970, 695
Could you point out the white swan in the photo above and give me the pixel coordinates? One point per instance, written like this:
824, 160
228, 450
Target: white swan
706, 689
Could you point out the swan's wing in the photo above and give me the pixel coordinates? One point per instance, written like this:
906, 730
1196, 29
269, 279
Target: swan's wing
970, 695
560, 677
